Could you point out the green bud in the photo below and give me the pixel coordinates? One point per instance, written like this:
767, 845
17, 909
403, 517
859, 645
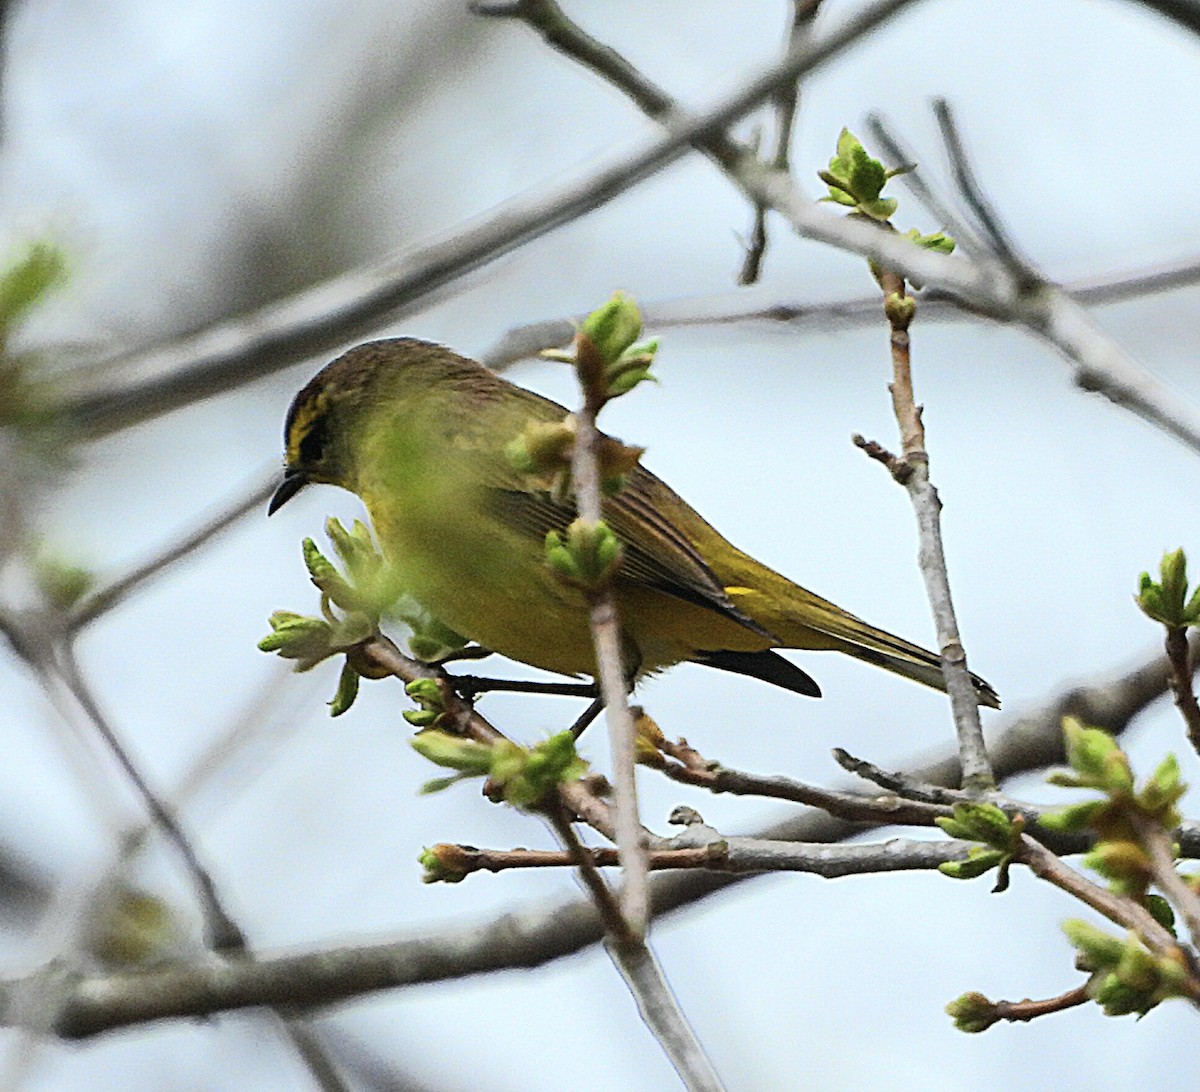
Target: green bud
980, 823
1117, 998
1167, 600
421, 718
528, 775
626, 379
330, 582
1096, 758
62, 583
428, 692
972, 1012
436, 869
1072, 818
939, 241
1162, 791
587, 556
299, 637
130, 927
1099, 949
899, 310
614, 327
453, 752
543, 447
1119, 860
347, 691
979, 861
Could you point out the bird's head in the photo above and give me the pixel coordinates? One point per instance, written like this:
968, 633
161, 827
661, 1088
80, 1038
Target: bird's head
330, 415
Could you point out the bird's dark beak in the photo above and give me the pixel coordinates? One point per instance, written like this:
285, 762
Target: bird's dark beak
293, 481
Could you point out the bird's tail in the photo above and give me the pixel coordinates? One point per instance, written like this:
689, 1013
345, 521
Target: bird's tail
800, 619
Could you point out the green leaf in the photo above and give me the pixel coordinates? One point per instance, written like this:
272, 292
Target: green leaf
1161, 911
977, 863
1101, 950
980, 823
454, 752
41, 268
880, 209
1072, 818
347, 691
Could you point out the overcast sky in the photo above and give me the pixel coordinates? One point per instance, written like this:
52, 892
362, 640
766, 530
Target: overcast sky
197, 158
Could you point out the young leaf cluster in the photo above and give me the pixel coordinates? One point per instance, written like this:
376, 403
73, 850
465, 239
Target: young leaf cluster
1000, 835
586, 556
1166, 600
522, 776
1126, 977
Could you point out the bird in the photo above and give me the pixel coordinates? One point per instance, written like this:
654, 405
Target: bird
420, 433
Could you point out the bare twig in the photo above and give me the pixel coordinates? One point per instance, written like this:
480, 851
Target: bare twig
723, 854
1024, 1011
460, 860
523, 342
613, 674
899, 307
1179, 656
1123, 911
106, 598
656, 1003
786, 101
991, 226
223, 934
663, 1016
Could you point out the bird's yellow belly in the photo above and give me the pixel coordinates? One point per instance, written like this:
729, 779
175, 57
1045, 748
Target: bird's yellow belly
497, 590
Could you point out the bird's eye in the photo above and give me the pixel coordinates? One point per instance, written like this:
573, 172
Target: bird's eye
312, 445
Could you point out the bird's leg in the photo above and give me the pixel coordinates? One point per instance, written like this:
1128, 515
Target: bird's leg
587, 716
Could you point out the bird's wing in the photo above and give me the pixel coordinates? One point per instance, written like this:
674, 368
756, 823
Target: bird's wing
657, 553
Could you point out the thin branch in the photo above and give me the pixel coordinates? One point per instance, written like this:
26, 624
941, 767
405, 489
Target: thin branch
142, 385
659, 1009
723, 854
1179, 656
1024, 1011
991, 226
223, 934
662, 1014
523, 342
1123, 911
931, 555
63, 1003
613, 673
786, 101
1157, 843
102, 601
989, 287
